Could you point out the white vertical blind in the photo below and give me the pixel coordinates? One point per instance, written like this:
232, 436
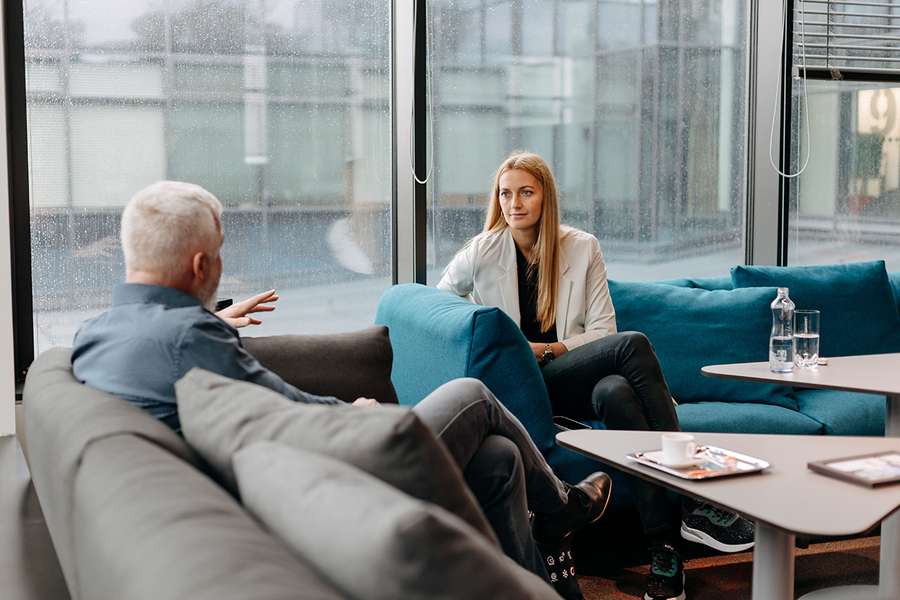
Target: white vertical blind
853, 36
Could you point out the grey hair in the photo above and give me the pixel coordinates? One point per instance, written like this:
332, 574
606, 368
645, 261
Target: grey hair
166, 223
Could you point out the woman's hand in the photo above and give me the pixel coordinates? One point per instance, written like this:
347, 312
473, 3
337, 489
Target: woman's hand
238, 314
537, 348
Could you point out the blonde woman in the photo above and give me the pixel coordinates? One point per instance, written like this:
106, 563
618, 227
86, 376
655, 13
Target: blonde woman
551, 280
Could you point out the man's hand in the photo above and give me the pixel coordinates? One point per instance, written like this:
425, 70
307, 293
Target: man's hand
537, 349
238, 314
366, 402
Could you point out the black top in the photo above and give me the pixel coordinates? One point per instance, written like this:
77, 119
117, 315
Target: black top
528, 293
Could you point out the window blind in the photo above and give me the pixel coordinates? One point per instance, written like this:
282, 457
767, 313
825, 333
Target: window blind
850, 38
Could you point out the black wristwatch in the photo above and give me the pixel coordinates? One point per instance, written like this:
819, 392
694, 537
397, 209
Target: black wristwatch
547, 355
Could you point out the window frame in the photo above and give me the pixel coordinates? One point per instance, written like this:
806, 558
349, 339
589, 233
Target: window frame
19, 197
768, 196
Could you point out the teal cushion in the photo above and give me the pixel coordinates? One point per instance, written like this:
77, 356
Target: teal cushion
859, 314
692, 327
437, 337
684, 282
705, 283
728, 417
844, 413
711, 283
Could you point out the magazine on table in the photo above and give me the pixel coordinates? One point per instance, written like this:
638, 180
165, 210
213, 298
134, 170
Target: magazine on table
709, 462
869, 470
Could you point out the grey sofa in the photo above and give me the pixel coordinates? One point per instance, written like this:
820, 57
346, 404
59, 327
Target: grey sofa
130, 507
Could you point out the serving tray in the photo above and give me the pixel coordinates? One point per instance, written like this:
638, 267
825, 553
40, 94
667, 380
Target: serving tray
711, 462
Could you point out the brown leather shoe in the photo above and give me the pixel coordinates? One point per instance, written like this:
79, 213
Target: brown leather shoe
596, 490
587, 502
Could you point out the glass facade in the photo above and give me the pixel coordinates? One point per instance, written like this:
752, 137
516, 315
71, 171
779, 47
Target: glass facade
280, 108
639, 106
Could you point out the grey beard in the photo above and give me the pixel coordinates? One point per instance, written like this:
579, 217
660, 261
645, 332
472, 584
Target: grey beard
209, 300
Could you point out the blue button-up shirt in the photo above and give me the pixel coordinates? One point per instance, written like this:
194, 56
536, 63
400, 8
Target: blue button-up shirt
151, 337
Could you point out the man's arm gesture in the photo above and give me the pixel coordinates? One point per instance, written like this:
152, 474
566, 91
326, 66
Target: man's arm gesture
238, 314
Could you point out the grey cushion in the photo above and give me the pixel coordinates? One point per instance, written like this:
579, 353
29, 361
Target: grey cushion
220, 415
62, 418
371, 540
343, 365
148, 527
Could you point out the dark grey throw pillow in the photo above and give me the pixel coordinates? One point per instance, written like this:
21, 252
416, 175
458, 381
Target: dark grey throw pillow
370, 540
343, 365
219, 416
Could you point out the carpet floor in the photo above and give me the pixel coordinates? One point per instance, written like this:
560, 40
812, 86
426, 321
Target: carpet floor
729, 576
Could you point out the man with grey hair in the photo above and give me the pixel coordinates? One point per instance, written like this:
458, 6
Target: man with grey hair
168, 222
161, 325
171, 235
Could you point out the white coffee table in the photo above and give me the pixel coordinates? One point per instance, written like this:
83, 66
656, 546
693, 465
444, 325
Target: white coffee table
785, 500
875, 374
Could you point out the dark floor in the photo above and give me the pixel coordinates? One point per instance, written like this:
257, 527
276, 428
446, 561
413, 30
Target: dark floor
729, 576
28, 566
29, 569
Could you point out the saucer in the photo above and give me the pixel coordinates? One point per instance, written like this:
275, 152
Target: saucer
693, 462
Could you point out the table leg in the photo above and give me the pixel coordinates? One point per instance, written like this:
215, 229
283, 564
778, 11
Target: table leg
892, 417
889, 566
888, 587
773, 564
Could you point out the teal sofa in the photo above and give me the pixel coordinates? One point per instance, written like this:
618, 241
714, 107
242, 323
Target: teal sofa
690, 322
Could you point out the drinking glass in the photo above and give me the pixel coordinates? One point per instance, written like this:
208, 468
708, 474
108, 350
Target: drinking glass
806, 338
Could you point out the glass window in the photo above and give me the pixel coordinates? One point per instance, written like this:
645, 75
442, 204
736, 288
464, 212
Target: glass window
279, 107
846, 205
639, 106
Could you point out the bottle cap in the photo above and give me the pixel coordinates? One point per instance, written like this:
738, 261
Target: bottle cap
782, 291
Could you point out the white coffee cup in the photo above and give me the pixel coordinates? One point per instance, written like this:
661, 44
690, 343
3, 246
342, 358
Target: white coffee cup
678, 448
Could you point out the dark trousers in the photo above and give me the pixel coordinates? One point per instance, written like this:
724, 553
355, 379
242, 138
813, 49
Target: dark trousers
617, 380
504, 469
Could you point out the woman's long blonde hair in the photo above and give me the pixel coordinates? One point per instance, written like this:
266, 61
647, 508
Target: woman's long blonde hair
545, 253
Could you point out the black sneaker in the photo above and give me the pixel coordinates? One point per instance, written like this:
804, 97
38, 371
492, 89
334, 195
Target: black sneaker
586, 503
666, 580
718, 529
560, 565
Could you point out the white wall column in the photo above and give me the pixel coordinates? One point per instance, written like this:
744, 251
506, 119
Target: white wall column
402, 84
7, 351
729, 42
763, 203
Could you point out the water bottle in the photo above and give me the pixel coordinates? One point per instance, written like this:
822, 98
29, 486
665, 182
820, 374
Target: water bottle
781, 342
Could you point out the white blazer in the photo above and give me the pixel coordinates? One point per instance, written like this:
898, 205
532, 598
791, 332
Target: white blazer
484, 271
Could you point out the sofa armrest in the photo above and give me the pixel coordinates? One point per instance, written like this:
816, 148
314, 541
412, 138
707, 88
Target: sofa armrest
62, 419
343, 365
439, 337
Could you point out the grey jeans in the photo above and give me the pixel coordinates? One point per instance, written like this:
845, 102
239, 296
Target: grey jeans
502, 466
